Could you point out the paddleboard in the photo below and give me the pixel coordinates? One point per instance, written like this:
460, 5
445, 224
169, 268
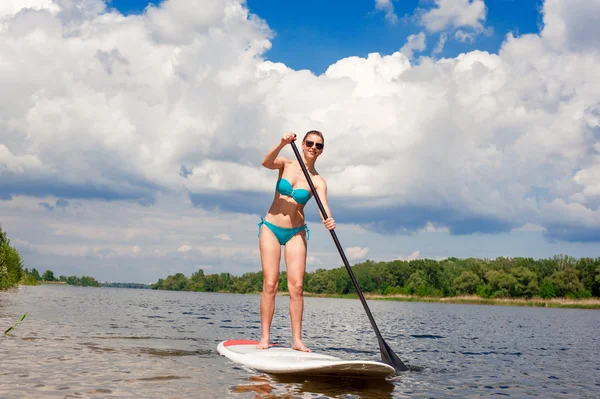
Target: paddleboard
281, 360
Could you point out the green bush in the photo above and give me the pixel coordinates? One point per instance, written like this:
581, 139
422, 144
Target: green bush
547, 289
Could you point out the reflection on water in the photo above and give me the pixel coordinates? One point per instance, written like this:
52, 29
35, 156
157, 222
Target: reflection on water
293, 387
102, 343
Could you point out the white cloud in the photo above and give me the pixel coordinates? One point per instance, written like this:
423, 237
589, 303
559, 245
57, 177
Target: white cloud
440, 44
11, 7
454, 14
184, 248
223, 237
413, 256
354, 253
18, 164
431, 228
414, 43
387, 6
463, 36
572, 24
136, 249
313, 260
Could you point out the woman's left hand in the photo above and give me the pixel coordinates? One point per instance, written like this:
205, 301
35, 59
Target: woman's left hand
329, 223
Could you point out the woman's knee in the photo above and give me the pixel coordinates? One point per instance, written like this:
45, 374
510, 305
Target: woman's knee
270, 287
295, 289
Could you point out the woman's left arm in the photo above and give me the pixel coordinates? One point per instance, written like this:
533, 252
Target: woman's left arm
322, 192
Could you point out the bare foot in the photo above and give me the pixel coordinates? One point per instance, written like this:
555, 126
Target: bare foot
299, 346
263, 344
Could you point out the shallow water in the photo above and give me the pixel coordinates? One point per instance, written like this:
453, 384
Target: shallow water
126, 343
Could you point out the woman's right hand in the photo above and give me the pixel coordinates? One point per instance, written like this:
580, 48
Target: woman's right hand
288, 138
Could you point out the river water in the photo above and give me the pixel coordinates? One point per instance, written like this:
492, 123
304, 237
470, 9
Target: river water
125, 343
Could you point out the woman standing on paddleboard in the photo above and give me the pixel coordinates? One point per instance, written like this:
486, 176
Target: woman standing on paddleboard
284, 225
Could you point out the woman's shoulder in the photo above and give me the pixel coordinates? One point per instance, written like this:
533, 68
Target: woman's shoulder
318, 179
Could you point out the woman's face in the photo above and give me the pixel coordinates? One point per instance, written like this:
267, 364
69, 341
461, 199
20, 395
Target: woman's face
312, 146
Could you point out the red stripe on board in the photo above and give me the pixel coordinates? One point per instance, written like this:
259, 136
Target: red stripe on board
239, 342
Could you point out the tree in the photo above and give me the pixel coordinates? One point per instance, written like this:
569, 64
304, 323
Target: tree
48, 275
502, 284
467, 283
35, 274
527, 284
566, 281
11, 265
547, 289
417, 283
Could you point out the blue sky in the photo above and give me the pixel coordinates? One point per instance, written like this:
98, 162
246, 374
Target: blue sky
135, 153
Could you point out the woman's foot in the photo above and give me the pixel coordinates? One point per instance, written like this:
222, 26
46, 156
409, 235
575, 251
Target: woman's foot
299, 346
263, 344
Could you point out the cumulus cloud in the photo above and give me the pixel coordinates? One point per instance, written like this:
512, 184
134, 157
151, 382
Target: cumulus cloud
414, 43
313, 260
11, 7
573, 25
354, 253
387, 6
181, 101
223, 237
465, 17
413, 256
454, 14
122, 103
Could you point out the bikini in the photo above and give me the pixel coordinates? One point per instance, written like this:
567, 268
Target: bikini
299, 195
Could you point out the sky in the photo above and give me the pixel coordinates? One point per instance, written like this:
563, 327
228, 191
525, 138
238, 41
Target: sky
132, 134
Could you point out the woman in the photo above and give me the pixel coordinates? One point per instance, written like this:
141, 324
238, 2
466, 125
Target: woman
284, 225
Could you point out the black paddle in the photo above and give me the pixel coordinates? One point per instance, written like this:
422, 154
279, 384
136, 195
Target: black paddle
387, 355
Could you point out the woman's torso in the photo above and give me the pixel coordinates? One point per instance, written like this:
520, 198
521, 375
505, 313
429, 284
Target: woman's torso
287, 211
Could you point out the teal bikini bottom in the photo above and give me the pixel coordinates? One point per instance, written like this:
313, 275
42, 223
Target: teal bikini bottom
283, 234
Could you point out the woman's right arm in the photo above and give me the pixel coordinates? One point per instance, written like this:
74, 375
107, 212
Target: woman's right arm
271, 160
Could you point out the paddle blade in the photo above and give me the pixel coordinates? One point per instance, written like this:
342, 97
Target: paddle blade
389, 357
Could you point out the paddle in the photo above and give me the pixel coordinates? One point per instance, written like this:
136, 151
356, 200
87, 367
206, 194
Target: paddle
387, 355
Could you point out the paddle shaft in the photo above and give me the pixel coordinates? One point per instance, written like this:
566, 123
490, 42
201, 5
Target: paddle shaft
387, 355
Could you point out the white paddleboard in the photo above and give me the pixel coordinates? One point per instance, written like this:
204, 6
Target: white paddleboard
280, 360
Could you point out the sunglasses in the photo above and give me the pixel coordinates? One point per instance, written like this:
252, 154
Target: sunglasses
310, 143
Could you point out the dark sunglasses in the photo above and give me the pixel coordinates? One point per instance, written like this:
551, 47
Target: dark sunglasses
309, 144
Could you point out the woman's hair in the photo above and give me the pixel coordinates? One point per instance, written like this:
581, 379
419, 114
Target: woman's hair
314, 132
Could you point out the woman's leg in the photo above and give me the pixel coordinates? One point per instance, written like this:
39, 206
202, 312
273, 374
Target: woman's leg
295, 261
270, 256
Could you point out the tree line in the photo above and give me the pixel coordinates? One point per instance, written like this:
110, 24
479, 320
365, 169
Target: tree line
12, 270
558, 276
83, 281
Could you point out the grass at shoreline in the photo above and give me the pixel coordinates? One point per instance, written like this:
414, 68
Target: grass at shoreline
592, 303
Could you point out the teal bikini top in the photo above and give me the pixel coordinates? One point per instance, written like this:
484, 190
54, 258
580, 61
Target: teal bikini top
300, 195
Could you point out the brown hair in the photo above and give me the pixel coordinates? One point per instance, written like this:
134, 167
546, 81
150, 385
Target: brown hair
314, 132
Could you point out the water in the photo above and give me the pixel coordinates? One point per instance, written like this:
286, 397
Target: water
125, 343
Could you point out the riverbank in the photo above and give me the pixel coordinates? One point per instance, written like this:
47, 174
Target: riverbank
591, 303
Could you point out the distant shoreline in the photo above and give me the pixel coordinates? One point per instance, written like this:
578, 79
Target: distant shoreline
591, 303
